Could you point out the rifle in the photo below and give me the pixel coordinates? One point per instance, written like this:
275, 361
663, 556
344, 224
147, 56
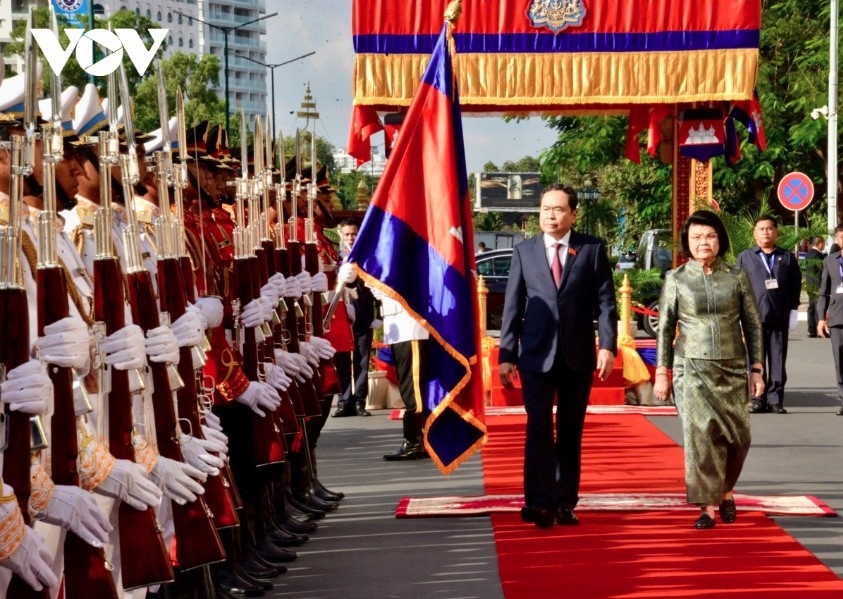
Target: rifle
267, 442
220, 493
86, 570
139, 530
14, 351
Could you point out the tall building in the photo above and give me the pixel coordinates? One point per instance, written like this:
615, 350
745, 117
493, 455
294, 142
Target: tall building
199, 29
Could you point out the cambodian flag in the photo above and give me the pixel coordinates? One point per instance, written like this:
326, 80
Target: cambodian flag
415, 245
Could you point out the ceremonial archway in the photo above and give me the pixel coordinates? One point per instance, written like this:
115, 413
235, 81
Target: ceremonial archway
682, 69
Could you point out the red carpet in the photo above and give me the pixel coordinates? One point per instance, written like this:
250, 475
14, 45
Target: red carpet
627, 555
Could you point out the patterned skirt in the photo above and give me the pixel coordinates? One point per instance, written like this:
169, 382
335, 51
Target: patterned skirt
712, 398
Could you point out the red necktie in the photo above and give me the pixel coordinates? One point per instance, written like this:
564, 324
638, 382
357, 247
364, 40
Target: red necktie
556, 265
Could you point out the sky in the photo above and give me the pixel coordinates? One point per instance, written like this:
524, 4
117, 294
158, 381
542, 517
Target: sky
324, 26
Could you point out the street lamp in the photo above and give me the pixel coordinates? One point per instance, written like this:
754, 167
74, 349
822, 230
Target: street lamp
587, 195
272, 68
226, 31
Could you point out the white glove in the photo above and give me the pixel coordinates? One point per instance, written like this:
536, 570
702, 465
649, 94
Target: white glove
253, 314
794, 318
278, 280
66, 343
303, 280
347, 273
377, 323
376, 293
196, 454
214, 441
212, 310
189, 328
259, 397
178, 480
28, 388
270, 292
292, 289
128, 482
319, 282
32, 561
213, 421
268, 306
286, 361
323, 348
125, 349
162, 345
75, 510
276, 377
350, 311
309, 353
305, 371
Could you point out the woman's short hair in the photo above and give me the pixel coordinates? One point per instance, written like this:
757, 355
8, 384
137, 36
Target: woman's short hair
709, 219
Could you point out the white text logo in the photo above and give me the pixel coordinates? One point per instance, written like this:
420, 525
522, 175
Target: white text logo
114, 42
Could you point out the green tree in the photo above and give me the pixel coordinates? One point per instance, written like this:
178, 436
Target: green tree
527, 164
195, 76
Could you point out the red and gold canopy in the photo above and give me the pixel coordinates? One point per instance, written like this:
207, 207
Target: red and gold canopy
547, 56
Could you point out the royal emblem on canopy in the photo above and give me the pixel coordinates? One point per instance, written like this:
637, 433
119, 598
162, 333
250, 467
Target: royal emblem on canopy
556, 15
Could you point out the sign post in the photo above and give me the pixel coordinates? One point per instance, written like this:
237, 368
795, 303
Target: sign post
796, 191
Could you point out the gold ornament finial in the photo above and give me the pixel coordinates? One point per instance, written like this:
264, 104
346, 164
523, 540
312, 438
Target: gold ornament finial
453, 12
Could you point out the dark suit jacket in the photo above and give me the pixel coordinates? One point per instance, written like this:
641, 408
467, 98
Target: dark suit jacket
364, 308
829, 302
813, 271
773, 304
539, 320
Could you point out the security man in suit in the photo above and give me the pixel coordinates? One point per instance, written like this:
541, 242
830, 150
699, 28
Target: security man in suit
777, 283
830, 308
814, 258
558, 283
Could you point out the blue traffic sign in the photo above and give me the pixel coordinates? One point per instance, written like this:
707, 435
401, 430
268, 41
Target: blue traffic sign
796, 190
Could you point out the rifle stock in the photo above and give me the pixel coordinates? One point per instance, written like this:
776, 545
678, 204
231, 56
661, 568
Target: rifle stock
195, 533
203, 545
221, 493
14, 351
266, 440
64, 450
140, 533
329, 373
309, 390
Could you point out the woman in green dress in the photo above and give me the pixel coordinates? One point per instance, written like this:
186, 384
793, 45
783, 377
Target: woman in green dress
712, 306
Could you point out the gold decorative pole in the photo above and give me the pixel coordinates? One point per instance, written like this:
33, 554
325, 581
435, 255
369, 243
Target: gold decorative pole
482, 292
626, 306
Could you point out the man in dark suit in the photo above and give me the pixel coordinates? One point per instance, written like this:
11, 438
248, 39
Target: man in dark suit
558, 283
777, 283
830, 308
361, 310
813, 268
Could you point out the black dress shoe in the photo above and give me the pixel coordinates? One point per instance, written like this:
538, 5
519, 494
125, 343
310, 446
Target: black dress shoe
235, 586
271, 553
759, 406
566, 517
310, 512
407, 451
778, 408
704, 521
284, 538
362, 411
270, 564
297, 526
840, 411
256, 574
343, 411
310, 500
728, 511
333, 495
542, 516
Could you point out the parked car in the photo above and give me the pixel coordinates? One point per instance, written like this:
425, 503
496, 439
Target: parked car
494, 267
626, 261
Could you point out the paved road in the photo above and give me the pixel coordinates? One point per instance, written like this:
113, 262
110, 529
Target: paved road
362, 551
